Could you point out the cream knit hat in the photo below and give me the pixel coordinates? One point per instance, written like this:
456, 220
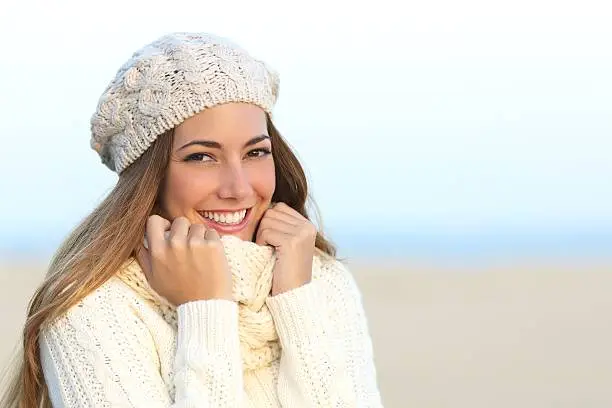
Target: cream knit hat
168, 81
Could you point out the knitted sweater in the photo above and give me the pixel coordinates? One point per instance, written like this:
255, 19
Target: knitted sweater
124, 346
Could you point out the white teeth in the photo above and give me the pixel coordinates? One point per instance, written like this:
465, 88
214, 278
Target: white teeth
226, 218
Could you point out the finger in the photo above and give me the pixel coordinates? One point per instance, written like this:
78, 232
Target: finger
283, 216
145, 242
212, 235
258, 238
275, 238
154, 234
178, 231
284, 208
196, 233
279, 225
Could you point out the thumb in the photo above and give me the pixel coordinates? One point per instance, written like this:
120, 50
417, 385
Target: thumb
259, 240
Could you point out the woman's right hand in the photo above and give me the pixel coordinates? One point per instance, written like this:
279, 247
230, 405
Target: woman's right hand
185, 262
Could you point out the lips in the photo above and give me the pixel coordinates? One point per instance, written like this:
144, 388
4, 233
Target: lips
222, 227
225, 217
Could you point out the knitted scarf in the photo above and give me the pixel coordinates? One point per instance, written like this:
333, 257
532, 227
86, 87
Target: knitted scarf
251, 266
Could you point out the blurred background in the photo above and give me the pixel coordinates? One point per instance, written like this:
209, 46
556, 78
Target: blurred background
459, 153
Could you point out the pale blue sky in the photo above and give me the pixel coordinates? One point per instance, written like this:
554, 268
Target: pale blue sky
437, 115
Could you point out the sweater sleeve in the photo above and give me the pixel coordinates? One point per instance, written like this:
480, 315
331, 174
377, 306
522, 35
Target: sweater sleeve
102, 355
327, 355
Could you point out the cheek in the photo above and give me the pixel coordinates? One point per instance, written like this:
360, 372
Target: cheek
263, 180
184, 189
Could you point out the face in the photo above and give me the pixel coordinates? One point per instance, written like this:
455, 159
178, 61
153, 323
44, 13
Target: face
221, 170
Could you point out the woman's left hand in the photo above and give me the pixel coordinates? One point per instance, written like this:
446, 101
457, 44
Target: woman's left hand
293, 237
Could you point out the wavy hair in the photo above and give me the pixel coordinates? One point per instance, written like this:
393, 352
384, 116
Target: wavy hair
95, 250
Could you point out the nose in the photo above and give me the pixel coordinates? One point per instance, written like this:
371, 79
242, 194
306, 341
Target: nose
234, 183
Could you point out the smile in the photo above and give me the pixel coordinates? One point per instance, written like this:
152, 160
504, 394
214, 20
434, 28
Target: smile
226, 221
228, 218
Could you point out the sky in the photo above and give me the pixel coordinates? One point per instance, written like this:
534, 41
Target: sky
437, 117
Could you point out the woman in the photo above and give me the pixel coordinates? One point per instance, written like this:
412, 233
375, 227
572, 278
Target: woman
199, 281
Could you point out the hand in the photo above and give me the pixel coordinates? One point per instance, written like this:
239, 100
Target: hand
188, 265
293, 237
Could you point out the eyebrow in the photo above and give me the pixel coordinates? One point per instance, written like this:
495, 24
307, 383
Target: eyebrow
217, 145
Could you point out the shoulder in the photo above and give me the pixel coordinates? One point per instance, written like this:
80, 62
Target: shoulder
339, 291
336, 275
326, 266
114, 302
111, 315
108, 343
113, 295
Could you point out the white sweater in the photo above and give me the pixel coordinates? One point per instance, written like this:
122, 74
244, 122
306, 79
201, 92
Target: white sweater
116, 349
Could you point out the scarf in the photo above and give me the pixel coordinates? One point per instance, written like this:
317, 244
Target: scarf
251, 266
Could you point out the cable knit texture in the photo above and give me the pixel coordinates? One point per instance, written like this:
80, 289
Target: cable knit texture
125, 346
168, 81
252, 280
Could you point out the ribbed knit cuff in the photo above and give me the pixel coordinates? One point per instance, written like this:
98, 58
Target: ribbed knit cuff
299, 314
209, 326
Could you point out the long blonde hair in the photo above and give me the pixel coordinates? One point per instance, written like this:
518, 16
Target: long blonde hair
104, 240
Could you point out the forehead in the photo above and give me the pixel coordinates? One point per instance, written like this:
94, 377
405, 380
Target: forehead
226, 124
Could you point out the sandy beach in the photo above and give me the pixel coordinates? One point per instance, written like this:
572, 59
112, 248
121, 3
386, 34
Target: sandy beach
524, 335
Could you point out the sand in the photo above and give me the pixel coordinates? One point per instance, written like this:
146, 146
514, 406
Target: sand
524, 335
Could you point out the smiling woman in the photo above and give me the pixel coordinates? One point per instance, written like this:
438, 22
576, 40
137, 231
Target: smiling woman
221, 172
200, 280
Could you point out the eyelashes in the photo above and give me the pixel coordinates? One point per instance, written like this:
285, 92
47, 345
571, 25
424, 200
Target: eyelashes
206, 157
263, 150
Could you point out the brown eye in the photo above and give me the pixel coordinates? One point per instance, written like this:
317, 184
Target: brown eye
202, 157
255, 153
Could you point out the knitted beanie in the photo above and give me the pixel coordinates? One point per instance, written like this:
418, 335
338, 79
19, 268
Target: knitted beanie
168, 81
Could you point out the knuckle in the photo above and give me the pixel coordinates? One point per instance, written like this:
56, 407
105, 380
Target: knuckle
303, 230
311, 229
197, 230
212, 248
157, 253
216, 244
176, 242
157, 219
196, 242
152, 220
181, 220
197, 245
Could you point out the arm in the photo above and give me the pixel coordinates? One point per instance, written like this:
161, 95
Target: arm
327, 357
101, 354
